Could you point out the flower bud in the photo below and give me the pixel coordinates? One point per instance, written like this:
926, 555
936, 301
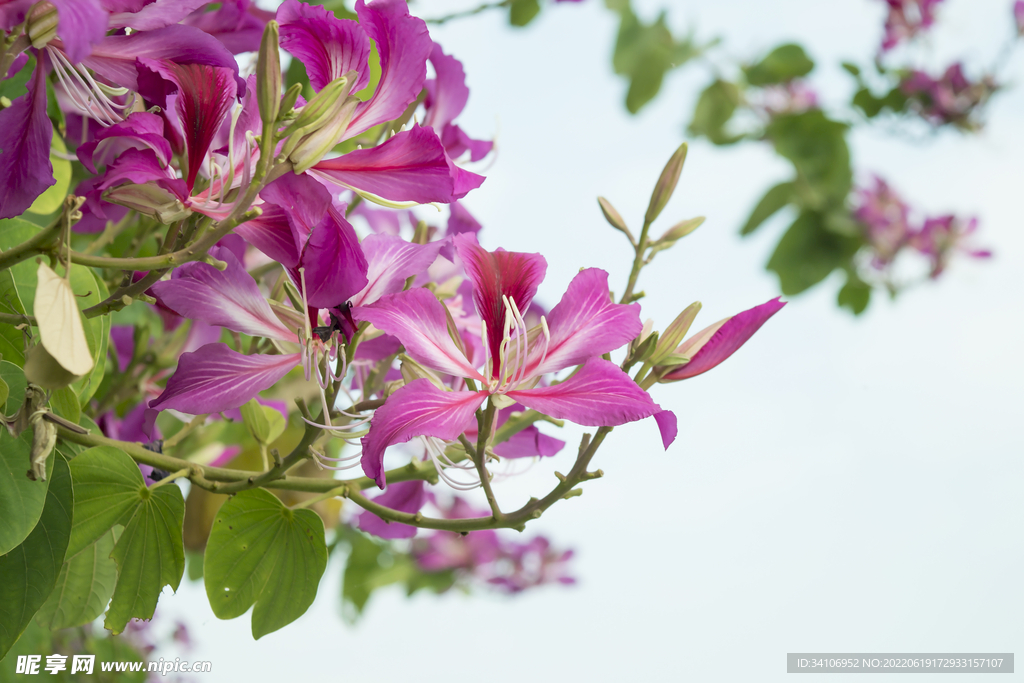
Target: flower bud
291, 96
666, 184
319, 124
674, 333
614, 218
42, 24
681, 229
268, 75
149, 199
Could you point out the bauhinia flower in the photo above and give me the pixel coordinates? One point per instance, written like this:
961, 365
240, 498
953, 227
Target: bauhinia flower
583, 326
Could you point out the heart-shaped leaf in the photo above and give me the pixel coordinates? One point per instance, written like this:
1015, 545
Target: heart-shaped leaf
264, 553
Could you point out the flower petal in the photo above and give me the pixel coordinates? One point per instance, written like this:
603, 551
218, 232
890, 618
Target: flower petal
461, 220
411, 166
417, 409
141, 130
81, 24
447, 94
714, 344
327, 46
418, 320
406, 496
598, 395
403, 44
334, 263
271, 232
497, 274
237, 24
215, 378
584, 324
668, 427
156, 14
25, 133
228, 298
529, 443
391, 260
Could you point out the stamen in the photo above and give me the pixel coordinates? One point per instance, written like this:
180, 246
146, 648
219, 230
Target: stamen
521, 341
547, 340
487, 366
434, 448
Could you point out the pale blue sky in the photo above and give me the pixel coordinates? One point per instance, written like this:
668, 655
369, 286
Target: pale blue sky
839, 485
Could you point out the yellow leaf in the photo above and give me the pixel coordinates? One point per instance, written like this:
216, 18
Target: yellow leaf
60, 322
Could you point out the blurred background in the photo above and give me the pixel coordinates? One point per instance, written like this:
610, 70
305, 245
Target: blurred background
842, 484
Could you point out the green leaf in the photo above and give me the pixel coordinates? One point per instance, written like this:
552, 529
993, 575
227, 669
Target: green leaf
264, 553
855, 294
30, 571
715, 107
97, 330
107, 485
644, 53
149, 554
817, 147
772, 201
256, 420
522, 12
5, 391
807, 253
65, 403
34, 640
13, 232
782, 64
21, 499
16, 83
53, 197
851, 68
14, 377
84, 586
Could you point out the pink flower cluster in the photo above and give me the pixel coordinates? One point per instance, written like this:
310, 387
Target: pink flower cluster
906, 19
889, 230
949, 99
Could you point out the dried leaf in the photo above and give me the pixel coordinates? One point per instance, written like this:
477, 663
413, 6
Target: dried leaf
60, 322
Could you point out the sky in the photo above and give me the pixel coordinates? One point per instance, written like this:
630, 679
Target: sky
841, 484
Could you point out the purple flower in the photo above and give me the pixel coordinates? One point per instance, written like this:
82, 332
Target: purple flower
715, 343
906, 19
940, 238
1018, 16
950, 99
584, 325
886, 220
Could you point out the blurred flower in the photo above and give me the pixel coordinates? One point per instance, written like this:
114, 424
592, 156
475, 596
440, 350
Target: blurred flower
906, 19
792, 97
951, 99
940, 238
1018, 16
885, 217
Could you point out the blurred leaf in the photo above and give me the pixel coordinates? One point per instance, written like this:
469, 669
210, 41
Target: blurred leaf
264, 553
14, 377
84, 586
16, 84
772, 201
30, 571
65, 403
21, 499
256, 420
782, 64
894, 100
643, 54
807, 253
522, 12
4, 392
149, 554
715, 107
52, 198
852, 69
817, 147
855, 294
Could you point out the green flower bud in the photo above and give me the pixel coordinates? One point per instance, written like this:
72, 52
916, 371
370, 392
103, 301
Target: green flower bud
614, 218
42, 24
666, 184
268, 75
673, 335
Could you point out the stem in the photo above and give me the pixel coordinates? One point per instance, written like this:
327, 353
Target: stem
638, 263
484, 424
40, 244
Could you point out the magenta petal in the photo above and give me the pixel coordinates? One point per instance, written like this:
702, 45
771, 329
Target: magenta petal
327, 46
668, 427
334, 263
304, 200
417, 409
271, 232
497, 274
115, 57
215, 378
461, 220
584, 324
598, 395
157, 14
123, 338
530, 442
447, 94
411, 166
406, 496
403, 44
81, 24
141, 130
25, 133
390, 261
139, 167
237, 24
714, 344
228, 298
456, 142
418, 320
